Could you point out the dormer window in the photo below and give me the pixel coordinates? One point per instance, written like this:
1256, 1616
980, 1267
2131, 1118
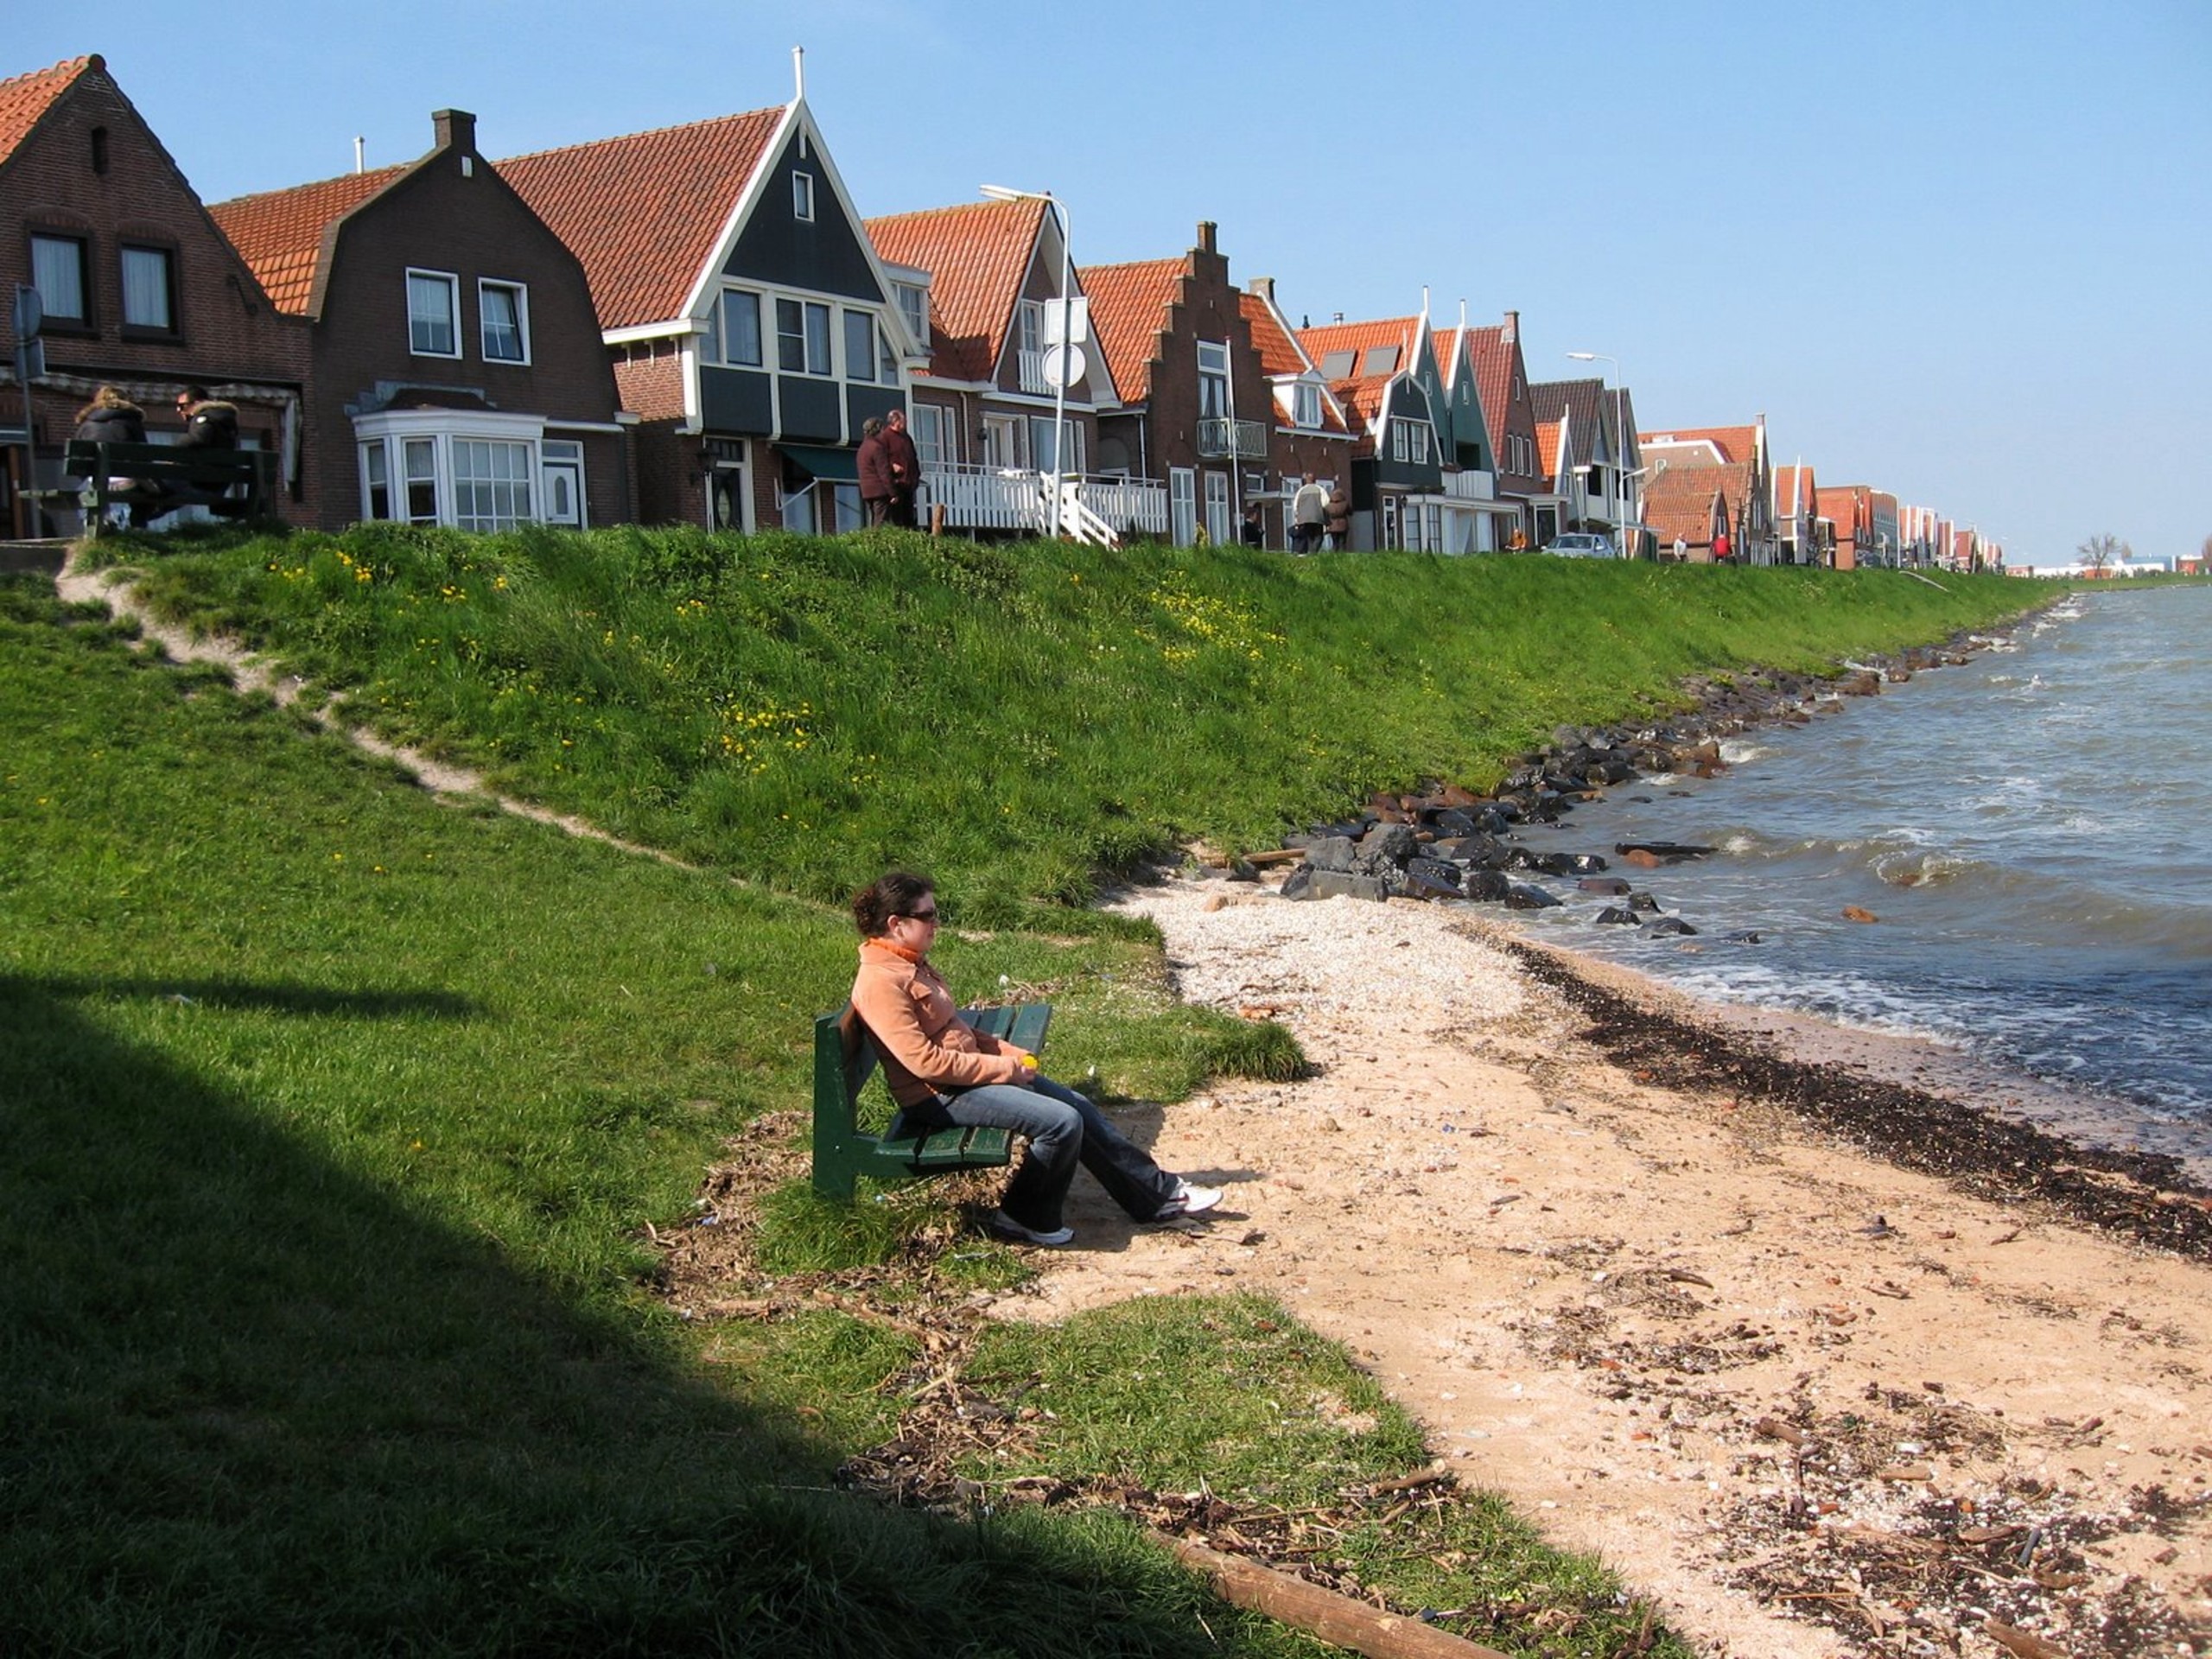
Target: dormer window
914, 307
802, 196
1305, 404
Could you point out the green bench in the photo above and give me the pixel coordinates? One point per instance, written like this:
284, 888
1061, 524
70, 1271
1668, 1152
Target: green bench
844, 1057
186, 477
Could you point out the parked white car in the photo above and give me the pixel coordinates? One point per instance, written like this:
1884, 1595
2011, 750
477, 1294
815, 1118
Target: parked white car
1576, 544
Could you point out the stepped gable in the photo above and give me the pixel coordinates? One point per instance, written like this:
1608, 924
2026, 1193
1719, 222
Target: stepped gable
1129, 313
25, 98
978, 256
643, 213
280, 234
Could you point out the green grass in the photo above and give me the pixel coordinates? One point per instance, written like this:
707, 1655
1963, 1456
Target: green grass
336, 1115
1017, 720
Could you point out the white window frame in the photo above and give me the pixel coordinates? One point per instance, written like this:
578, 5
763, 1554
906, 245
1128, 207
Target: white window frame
718, 325
936, 435
521, 293
802, 196
439, 429
1213, 380
809, 311
563, 456
1306, 405
868, 358
451, 283
1183, 504
914, 307
1218, 529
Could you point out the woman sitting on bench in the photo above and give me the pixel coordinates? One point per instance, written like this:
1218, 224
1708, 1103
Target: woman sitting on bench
942, 1071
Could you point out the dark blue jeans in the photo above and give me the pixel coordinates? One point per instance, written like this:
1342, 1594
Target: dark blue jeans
1063, 1129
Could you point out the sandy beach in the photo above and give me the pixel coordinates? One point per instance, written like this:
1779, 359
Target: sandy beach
1811, 1400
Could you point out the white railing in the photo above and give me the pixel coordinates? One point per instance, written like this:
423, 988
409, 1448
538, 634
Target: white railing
1471, 486
991, 498
1033, 373
1221, 439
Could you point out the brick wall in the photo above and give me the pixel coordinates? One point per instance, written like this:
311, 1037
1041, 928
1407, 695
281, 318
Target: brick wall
228, 337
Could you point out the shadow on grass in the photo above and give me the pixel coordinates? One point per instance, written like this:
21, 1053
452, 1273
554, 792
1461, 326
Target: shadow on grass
274, 999
254, 1404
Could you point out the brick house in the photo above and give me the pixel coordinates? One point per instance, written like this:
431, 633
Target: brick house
1311, 435
1743, 451
139, 288
1691, 506
457, 374
750, 325
983, 405
1502, 378
1798, 526
1588, 470
1194, 392
1387, 375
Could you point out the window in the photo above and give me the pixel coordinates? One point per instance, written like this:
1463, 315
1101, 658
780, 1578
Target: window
503, 309
1380, 360
1597, 480
1305, 404
421, 456
914, 307
734, 328
1213, 380
1337, 366
149, 288
1183, 504
933, 436
860, 345
1044, 456
1417, 442
433, 314
886, 359
802, 195
58, 273
1029, 320
375, 480
491, 483
802, 336
1002, 442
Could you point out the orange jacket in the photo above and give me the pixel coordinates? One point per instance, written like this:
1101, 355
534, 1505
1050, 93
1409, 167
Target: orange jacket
925, 1045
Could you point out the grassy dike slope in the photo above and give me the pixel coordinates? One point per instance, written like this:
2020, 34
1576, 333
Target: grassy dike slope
335, 1115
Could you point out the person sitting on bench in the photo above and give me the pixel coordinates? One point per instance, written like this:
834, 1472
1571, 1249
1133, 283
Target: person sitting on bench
941, 1071
209, 423
111, 418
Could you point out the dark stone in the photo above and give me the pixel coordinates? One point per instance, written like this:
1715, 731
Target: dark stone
1520, 895
1668, 927
1435, 873
1299, 883
1612, 886
1331, 853
1744, 935
1661, 848
1395, 843
1573, 863
1614, 913
1451, 821
1643, 901
1490, 885
1333, 884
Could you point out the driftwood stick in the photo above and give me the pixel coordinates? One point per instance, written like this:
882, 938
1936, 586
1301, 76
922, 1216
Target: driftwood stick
1335, 1619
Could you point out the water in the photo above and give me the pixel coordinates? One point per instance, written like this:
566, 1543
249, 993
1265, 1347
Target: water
2033, 831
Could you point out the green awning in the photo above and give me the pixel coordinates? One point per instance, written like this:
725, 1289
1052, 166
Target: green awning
841, 466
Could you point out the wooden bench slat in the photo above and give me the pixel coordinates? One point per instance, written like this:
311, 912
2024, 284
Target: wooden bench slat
204, 471
844, 1059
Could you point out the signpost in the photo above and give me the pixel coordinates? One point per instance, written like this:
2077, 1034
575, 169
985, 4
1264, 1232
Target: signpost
29, 316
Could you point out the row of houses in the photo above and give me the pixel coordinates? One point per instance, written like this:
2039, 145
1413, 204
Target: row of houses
692, 325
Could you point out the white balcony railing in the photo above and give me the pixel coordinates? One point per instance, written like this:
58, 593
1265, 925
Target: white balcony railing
1471, 486
1220, 439
992, 498
1032, 366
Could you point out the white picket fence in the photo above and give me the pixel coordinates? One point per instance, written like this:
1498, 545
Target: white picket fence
1092, 509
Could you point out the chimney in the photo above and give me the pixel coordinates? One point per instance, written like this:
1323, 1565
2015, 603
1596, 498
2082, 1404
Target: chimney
1512, 329
1205, 236
1265, 288
456, 130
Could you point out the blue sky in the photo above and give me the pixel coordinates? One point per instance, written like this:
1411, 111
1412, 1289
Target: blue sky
1959, 252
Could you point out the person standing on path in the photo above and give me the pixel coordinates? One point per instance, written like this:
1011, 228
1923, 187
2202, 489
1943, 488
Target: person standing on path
941, 1069
1338, 523
1309, 509
874, 464
906, 469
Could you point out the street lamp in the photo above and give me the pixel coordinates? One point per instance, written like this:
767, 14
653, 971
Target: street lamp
1007, 193
1620, 442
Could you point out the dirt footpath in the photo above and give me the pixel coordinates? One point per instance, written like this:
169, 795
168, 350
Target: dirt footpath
1809, 1402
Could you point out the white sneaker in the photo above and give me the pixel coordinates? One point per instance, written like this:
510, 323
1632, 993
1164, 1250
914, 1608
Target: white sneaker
1007, 1228
1187, 1200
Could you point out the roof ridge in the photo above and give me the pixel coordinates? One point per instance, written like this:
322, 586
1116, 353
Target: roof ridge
777, 110
393, 168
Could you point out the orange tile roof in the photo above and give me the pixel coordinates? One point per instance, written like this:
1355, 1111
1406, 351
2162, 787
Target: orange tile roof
645, 212
24, 99
978, 256
1678, 502
1279, 353
1494, 354
1129, 309
1795, 490
279, 232
1548, 434
1360, 337
1734, 443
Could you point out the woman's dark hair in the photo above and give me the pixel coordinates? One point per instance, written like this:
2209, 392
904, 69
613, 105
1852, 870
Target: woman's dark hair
894, 893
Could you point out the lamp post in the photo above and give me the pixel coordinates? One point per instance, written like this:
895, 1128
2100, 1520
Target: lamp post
1007, 193
1620, 446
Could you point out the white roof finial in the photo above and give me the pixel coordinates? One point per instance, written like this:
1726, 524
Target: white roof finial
799, 73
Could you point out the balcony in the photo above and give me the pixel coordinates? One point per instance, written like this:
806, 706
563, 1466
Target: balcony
1226, 439
1469, 485
1032, 369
